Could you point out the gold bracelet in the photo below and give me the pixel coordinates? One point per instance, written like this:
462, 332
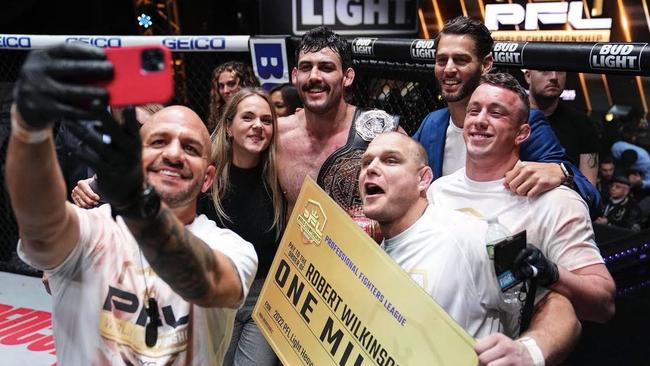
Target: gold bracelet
29, 137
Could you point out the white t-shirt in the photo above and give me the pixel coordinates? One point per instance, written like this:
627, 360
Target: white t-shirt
455, 149
439, 253
98, 296
557, 222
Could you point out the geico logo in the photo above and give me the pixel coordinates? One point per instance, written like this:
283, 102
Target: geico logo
353, 12
507, 57
424, 43
616, 49
15, 42
102, 42
127, 302
195, 43
505, 46
546, 13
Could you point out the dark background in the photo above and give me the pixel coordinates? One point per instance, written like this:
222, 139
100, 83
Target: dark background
622, 341
119, 17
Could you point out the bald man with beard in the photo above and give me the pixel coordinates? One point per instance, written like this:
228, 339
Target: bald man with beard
142, 280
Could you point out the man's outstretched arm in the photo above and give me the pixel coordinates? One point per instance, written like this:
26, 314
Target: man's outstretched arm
43, 93
188, 265
48, 225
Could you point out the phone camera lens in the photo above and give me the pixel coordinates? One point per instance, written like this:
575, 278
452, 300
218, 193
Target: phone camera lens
152, 60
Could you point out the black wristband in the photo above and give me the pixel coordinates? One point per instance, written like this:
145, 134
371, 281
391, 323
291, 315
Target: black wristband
553, 275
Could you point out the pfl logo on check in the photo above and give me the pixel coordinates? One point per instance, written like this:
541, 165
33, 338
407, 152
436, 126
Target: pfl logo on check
312, 222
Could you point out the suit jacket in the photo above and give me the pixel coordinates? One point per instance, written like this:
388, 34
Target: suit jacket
541, 146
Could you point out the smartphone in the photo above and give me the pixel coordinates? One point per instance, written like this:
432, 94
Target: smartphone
505, 253
142, 74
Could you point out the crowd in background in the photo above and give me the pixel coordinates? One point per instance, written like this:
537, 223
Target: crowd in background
611, 152
624, 174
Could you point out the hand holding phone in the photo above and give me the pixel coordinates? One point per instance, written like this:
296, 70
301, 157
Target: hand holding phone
141, 74
48, 87
505, 253
531, 263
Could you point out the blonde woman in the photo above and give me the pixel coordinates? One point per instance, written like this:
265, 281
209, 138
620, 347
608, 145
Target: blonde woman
246, 198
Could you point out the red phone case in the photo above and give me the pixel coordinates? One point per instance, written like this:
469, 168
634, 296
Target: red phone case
131, 84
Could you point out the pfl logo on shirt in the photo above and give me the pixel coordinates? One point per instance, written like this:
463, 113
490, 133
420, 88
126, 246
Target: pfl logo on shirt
269, 58
509, 53
616, 56
364, 46
423, 49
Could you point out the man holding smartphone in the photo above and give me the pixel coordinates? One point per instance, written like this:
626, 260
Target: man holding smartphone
563, 256
438, 247
142, 281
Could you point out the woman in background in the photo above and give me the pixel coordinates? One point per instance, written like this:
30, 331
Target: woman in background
227, 79
285, 99
246, 198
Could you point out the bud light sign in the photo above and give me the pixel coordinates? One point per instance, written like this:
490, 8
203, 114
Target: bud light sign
616, 56
356, 16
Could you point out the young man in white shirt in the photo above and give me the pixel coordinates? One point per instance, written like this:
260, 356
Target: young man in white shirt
438, 248
557, 223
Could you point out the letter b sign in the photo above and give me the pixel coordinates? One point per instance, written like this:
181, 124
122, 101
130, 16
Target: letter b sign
270, 60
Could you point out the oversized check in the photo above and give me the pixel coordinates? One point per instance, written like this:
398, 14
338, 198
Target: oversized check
333, 297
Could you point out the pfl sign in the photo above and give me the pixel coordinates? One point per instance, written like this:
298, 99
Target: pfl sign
545, 13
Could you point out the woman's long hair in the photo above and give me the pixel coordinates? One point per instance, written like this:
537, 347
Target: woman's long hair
244, 75
222, 156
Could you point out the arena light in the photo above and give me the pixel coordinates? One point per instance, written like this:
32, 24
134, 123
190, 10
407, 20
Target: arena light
144, 20
618, 111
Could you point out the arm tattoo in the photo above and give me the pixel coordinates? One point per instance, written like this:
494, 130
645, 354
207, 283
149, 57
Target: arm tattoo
181, 259
593, 160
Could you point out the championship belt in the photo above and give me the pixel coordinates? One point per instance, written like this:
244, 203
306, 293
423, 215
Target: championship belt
339, 174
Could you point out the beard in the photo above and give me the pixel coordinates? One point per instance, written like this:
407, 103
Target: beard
173, 196
320, 107
544, 99
465, 91
179, 198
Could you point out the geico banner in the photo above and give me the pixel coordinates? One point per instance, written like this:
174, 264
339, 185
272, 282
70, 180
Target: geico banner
333, 297
174, 43
356, 16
